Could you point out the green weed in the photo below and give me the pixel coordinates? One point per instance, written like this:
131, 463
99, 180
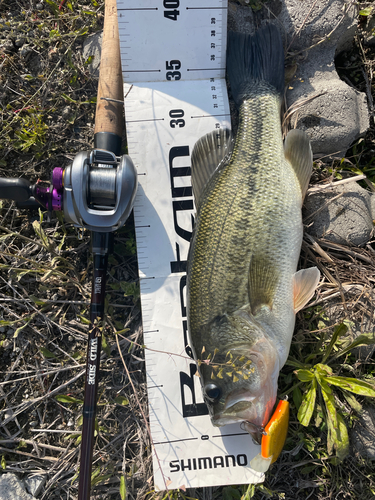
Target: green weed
317, 392
31, 133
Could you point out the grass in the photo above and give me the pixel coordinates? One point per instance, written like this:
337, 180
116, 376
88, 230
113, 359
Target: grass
47, 111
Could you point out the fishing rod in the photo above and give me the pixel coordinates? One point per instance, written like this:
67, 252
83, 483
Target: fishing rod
95, 192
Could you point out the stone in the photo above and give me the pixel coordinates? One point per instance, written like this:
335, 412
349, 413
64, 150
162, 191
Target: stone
345, 220
34, 484
92, 46
12, 488
363, 433
332, 113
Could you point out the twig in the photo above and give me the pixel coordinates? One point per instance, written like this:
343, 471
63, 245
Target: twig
29, 441
56, 431
318, 249
341, 248
302, 25
323, 207
25, 405
70, 302
332, 185
16, 452
141, 409
326, 37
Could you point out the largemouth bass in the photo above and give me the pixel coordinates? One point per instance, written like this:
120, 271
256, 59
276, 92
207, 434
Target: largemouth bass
243, 288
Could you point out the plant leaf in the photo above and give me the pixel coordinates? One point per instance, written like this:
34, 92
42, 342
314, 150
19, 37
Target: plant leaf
306, 409
99, 479
122, 488
68, 399
331, 416
304, 375
294, 362
39, 231
121, 400
340, 330
338, 438
365, 12
352, 385
356, 405
105, 346
323, 370
363, 339
46, 353
38, 302
342, 448
297, 397
329, 400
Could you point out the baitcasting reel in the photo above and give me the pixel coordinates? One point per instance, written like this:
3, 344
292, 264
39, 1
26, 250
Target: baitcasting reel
95, 192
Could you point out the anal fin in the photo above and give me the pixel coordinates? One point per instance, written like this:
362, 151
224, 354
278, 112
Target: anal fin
305, 282
297, 150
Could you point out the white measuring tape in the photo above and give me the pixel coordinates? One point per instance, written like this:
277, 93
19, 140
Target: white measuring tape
173, 61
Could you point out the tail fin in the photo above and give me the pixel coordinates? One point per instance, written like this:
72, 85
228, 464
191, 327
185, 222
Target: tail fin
255, 58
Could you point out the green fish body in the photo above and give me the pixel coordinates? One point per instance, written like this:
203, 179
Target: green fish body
243, 289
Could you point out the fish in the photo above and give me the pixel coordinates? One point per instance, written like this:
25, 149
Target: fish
243, 287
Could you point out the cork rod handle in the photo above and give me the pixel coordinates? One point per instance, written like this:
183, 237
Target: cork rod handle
109, 115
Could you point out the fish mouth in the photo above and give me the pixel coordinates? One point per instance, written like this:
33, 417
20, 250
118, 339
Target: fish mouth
239, 406
240, 412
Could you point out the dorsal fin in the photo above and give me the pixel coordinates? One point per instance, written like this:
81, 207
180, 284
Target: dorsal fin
298, 152
263, 278
209, 151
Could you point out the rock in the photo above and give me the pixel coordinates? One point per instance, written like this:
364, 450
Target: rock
7, 344
12, 488
66, 112
25, 51
345, 220
92, 46
20, 42
363, 433
9, 47
34, 484
331, 112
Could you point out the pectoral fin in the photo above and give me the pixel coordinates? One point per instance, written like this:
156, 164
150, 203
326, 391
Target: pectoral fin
305, 282
298, 152
209, 151
263, 278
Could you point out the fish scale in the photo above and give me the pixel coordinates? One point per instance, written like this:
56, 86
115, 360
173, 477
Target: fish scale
241, 200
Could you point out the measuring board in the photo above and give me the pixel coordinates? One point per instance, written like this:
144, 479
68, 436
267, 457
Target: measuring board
173, 61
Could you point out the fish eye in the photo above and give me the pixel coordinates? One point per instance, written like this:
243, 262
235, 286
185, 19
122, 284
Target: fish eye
212, 392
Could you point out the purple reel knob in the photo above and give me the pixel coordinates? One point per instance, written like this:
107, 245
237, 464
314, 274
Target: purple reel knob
57, 178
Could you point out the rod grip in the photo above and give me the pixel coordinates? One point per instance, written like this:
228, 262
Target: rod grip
15, 189
109, 115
